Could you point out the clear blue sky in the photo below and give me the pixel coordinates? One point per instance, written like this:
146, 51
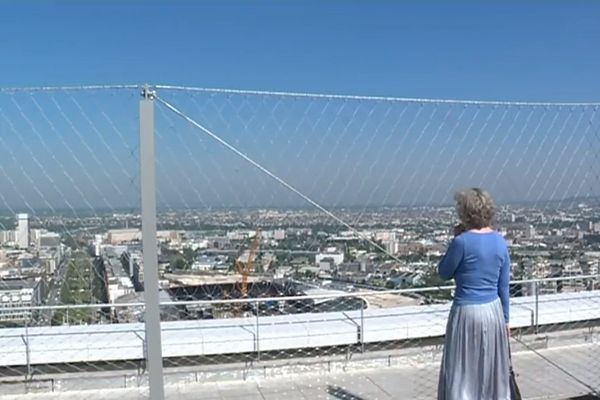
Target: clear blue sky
526, 50
79, 148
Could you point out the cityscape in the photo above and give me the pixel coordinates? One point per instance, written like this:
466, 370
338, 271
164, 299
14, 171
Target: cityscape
254, 200
49, 260
327, 258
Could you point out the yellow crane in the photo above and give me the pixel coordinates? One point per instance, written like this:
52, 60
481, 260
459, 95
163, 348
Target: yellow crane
245, 269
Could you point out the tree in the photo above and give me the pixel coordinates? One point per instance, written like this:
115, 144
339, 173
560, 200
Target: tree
390, 285
178, 263
70, 242
57, 318
309, 274
188, 254
77, 289
99, 285
433, 279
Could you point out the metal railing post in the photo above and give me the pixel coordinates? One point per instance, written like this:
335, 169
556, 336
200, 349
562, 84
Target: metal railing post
25, 339
257, 332
149, 247
362, 328
142, 366
537, 306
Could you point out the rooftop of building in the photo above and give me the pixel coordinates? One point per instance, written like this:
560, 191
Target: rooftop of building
385, 375
18, 284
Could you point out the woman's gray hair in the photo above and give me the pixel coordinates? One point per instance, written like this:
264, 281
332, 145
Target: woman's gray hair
476, 208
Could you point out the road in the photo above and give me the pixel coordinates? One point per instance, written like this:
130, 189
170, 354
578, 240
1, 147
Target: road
55, 285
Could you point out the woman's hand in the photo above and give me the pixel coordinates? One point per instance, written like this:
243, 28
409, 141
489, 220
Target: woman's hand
508, 330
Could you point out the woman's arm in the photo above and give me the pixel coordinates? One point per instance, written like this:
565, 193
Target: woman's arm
504, 286
452, 258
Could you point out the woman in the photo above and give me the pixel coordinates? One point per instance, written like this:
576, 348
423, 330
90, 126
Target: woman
475, 364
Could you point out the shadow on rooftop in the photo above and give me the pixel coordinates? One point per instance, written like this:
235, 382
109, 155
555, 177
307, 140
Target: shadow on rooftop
342, 393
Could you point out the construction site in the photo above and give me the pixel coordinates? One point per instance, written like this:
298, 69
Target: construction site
196, 291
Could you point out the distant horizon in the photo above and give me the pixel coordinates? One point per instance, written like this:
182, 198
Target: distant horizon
567, 203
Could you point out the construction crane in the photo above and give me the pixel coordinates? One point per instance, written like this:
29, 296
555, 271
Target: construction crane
245, 269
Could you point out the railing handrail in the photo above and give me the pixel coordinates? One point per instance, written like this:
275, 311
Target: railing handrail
370, 98
29, 89
371, 293
250, 92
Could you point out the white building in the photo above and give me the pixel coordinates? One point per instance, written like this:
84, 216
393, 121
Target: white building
48, 240
201, 244
391, 247
23, 231
17, 294
325, 265
385, 236
98, 240
8, 237
335, 256
120, 236
530, 233
207, 263
170, 236
34, 234
119, 287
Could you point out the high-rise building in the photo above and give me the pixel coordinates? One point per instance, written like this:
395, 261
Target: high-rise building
530, 232
48, 240
7, 237
23, 231
34, 234
98, 245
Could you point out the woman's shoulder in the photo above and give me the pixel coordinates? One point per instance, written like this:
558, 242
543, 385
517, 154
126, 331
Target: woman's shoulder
491, 236
482, 233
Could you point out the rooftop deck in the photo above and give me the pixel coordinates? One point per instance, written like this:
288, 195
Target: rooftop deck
377, 353
409, 376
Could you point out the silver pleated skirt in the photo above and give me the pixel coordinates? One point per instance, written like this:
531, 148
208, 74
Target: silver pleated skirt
475, 364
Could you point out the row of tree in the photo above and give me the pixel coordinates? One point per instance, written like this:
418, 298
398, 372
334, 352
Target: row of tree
85, 284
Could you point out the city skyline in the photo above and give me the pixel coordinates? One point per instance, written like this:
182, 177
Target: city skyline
302, 213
